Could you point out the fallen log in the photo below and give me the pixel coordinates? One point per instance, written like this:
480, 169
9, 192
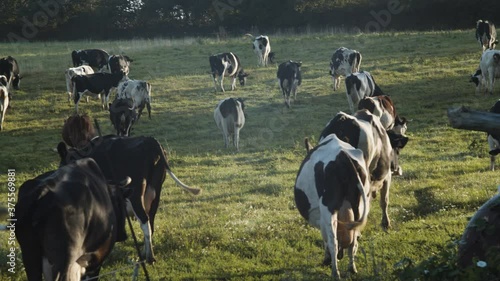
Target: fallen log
467, 119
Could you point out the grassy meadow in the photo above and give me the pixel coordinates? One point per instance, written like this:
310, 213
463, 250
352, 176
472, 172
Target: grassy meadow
244, 226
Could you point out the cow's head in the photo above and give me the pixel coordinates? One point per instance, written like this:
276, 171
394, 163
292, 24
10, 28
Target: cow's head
78, 130
16, 81
271, 57
398, 142
400, 125
122, 115
242, 77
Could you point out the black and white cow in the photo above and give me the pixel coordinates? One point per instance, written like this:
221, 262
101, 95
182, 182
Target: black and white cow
359, 85
493, 139
122, 115
74, 71
383, 107
289, 78
4, 99
117, 63
68, 221
262, 49
227, 64
95, 58
486, 34
344, 62
143, 160
10, 69
96, 84
489, 69
140, 93
229, 115
365, 132
331, 191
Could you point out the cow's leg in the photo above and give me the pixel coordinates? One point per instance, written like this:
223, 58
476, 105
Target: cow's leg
384, 203
233, 84
222, 82
225, 132
335, 83
136, 200
215, 82
352, 254
236, 137
491, 83
350, 101
329, 232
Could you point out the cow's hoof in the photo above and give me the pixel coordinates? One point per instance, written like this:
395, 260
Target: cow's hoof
340, 254
352, 269
327, 261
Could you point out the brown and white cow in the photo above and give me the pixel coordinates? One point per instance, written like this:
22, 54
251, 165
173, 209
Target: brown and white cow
344, 62
364, 131
331, 192
383, 107
78, 131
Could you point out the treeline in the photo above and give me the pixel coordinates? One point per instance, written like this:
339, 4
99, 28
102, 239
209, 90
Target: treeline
25, 20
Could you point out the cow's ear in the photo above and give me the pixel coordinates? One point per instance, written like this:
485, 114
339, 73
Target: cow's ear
299, 64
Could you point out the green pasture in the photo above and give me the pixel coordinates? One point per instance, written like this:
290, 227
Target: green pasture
244, 225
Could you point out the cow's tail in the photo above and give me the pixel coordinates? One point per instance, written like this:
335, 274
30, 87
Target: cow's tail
250, 35
359, 224
192, 190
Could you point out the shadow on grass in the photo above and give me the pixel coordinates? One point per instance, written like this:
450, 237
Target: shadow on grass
428, 204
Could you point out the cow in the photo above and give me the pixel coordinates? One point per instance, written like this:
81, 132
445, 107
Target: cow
262, 49
95, 84
229, 116
289, 78
364, 131
68, 221
344, 62
359, 85
227, 64
74, 71
383, 107
143, 160
78, 131
331, 191
117, 63
486, 35
122, 115
95, 58
4, 99
489, 69
10, 69
494, 139
140, 93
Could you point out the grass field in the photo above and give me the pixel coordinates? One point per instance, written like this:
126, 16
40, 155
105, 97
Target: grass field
244, 226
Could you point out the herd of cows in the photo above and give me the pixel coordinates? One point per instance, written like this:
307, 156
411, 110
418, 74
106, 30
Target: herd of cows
68, 220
